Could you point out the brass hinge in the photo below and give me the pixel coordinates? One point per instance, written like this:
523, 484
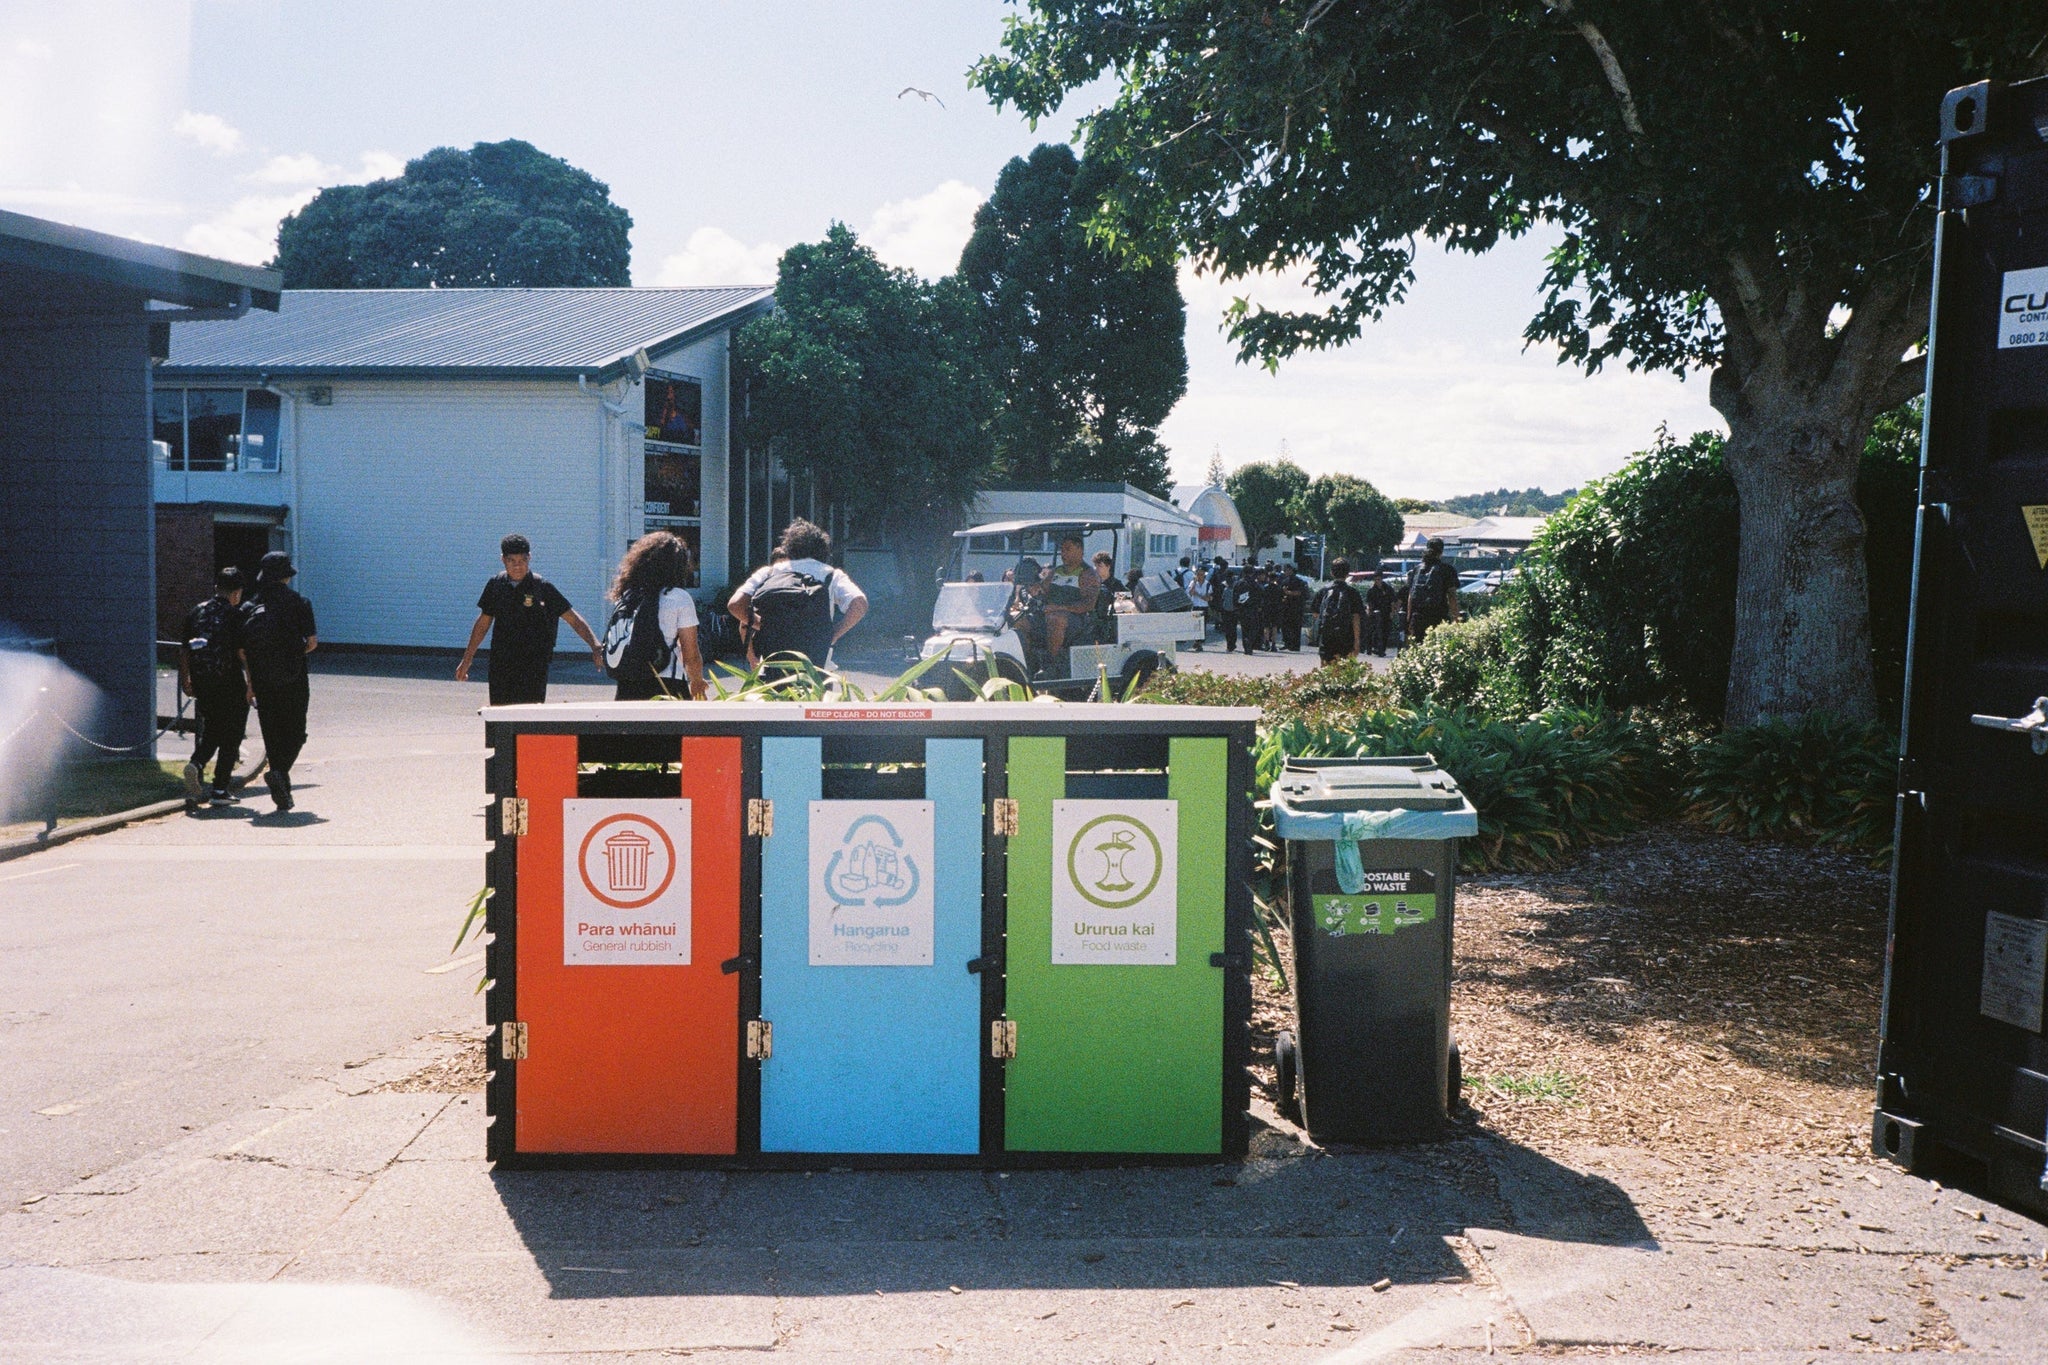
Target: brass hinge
1002, 1038
512, 1042
760, 1039
512, 815
1003, 819
760, 818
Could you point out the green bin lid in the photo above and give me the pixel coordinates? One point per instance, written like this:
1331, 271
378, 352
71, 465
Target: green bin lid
1410, 782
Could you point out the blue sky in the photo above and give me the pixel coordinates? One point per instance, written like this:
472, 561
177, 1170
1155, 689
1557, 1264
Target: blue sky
729, 131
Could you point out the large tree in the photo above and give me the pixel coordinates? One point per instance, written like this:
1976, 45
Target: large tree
859, 379
501, 214
1090, 349
1269, 497
1740, 186
1353, 517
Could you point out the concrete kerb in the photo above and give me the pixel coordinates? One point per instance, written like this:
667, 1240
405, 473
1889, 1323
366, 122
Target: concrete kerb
100, 824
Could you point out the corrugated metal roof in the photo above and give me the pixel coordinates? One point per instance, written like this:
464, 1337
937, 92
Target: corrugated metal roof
476, 332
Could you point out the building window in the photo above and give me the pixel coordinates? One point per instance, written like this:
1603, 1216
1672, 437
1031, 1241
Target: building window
1165, 545
673, 490
217, 431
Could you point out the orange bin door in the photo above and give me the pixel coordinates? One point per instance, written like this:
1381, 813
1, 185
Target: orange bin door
630, 1058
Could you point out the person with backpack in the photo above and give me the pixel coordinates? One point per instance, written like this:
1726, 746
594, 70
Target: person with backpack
650, 643
1379, 614
1244, 605
1432, 592
276, 632
1293, 603
787, 607
519, 610
210, 670
1340, 615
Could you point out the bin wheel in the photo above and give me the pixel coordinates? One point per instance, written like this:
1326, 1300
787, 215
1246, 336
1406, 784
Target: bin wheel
1287, 1076
1138, 670
1455, 1082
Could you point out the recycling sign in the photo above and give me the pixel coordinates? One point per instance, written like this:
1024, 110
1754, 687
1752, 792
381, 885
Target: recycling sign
871, 883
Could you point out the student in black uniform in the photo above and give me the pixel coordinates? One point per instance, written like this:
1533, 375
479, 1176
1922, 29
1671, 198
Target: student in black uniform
210, 667
518, 610
276, 633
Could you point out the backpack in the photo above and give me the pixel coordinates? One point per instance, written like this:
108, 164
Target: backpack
1333, 616
207, 646
266, 634
633, 643
795, 615
1429, 587
1242, 592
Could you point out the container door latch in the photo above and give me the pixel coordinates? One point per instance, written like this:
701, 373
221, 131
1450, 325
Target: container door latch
1002, 1039
512, 816
760, 818
512, 1042
760, 1039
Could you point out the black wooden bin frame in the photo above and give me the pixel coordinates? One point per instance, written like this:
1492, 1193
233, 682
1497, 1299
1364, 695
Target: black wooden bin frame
1134, 729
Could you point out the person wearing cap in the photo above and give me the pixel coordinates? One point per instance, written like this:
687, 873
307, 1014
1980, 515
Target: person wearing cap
277, 633
520, 610
210, 670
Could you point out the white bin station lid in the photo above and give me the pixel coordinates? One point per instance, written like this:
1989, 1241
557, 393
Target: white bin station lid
1409, 796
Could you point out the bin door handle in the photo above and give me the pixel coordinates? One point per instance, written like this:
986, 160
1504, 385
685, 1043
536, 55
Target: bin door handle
1226, 960
987, 962
733, 965
2034, 725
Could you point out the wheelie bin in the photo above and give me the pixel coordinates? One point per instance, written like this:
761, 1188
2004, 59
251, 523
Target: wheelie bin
1370, 848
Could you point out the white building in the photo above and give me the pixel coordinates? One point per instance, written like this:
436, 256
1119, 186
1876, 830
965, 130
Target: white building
1158, 534
388, 438
1221, 530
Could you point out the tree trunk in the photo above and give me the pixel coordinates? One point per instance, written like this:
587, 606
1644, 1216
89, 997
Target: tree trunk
1802, 598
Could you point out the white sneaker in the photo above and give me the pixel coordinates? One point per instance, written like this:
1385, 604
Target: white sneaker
195, 784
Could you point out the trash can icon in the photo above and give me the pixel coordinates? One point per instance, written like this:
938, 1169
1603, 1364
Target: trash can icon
625, 862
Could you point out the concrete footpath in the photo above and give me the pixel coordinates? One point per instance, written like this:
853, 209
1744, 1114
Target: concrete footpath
354, 1220
241, 1121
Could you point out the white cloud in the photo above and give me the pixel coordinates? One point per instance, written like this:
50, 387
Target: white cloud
209, 131
34, 50
302, 169
246, 230
926, 233
715, 256
379, 166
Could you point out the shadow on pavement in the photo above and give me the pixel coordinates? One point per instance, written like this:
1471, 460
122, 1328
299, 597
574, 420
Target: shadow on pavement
1300, 1220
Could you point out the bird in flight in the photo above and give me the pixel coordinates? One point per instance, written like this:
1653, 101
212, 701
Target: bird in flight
921, 94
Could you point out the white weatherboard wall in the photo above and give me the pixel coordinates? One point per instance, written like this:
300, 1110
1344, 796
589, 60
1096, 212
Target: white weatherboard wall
403, 488
707, 361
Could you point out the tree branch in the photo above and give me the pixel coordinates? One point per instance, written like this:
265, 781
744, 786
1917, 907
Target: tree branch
1609, 63
1907, 381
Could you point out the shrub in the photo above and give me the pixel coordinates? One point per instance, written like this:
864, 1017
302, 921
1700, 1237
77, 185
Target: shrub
1544, 787
1331, 695
1468, 664
1819, 777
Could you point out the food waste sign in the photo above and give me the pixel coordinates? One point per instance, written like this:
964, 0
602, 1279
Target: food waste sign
1115, 892
625, 883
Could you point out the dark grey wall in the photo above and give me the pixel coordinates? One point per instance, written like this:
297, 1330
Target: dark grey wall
77, 512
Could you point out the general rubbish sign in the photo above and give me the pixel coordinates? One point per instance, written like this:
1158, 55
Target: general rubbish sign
625, 883
871, 883
1114, 888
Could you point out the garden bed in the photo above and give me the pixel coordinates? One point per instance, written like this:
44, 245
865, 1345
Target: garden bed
1676, 988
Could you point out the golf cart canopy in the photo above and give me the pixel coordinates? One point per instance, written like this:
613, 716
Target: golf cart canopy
1011, 528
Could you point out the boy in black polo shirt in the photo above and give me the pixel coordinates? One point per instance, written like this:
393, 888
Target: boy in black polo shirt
518, 610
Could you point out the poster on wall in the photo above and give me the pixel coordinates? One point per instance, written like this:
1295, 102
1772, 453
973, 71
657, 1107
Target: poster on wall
871, 883
625, 883
1114, 889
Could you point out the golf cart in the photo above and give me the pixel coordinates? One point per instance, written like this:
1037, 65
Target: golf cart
995, 629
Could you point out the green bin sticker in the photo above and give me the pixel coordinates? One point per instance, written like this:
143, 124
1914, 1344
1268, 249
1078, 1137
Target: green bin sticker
1387, 903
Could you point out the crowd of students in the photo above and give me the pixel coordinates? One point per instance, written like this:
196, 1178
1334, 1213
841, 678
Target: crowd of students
1263, 607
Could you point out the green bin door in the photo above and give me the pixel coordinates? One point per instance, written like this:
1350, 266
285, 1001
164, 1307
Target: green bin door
1116, 1050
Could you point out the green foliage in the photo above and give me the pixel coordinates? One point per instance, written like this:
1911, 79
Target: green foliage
1089, 350
1331, 694
1355, 518
859, 381
1544, 787
1818, 777
1548, 1085
1506, 502
1269, 498
1469, 663
1409, 506
502, 214
792, 677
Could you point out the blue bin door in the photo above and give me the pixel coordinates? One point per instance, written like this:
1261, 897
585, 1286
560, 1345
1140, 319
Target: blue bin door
883, 1056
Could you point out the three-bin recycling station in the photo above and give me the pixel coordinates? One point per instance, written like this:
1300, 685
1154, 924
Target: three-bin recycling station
783, 934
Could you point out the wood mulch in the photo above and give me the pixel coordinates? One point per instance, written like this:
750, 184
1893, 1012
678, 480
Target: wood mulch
1678, 989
